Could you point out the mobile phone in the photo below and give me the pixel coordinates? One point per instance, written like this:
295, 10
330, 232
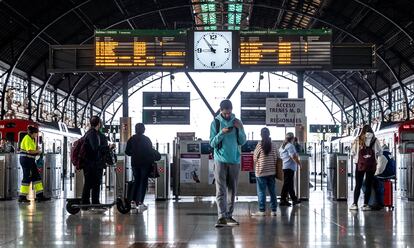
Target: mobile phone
230, 128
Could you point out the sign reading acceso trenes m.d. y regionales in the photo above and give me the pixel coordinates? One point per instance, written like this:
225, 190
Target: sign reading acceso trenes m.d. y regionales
285, 112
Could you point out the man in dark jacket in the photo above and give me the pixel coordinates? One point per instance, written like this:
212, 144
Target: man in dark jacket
95, 143
139, 147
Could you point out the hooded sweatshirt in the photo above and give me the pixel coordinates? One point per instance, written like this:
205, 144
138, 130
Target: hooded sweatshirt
230, 150
368, 138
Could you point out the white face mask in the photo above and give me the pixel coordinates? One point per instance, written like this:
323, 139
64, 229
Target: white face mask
369, 135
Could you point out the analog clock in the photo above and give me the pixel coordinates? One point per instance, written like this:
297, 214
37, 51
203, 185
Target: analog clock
213, 50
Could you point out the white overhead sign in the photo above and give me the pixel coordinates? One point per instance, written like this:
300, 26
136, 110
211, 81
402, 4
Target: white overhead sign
285, 112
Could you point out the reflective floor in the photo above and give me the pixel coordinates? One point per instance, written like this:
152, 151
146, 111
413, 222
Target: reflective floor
190, 223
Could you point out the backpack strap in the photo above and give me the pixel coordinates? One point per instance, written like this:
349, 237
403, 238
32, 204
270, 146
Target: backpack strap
219, 145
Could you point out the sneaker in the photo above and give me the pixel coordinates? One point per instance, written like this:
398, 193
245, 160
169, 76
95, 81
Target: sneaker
221, 222
354, 207
366, 207
273, 213
134, 205
231, 222
259, 213
296, 202
142, 208
22, 199
285, 204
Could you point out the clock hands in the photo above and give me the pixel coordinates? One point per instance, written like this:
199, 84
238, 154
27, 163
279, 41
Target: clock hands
211, 47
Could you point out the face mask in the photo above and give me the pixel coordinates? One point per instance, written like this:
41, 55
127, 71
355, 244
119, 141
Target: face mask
369, 135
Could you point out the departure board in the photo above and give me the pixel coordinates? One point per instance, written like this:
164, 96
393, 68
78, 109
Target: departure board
285, 49
140, 49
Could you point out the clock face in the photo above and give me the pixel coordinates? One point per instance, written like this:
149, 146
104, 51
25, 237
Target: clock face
213, 50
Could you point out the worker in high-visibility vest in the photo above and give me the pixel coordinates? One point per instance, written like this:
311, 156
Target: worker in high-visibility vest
28, 152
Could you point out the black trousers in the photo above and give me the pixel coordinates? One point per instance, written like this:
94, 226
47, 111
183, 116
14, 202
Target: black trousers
139, 189
30, 174
288, 185
369, 182
93, 180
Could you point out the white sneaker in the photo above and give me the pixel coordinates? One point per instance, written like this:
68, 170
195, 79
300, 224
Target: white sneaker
354, 207
366, 207
134, 205
142, 208
273, 213
259, 213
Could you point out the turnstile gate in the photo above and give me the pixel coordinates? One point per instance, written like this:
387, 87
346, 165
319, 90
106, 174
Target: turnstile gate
405, 175
51, 175
10, 177
337, 186
302, 181
162, 183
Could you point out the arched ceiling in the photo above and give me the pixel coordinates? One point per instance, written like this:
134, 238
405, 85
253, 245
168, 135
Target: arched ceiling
27, 28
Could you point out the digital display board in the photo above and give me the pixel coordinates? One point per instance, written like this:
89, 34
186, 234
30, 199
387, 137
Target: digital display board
161, 116
258, 99
285, 49
140, 49
166, 99
253, 116
323, 128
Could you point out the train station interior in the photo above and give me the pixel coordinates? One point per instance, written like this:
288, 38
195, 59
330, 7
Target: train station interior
207, 123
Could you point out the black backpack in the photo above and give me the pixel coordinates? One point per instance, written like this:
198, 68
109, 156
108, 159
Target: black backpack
217, 131
366, 158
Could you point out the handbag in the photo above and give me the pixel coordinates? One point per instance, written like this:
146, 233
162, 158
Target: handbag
154, 173
279, 169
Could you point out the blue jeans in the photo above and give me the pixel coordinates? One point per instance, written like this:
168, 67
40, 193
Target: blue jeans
270, 183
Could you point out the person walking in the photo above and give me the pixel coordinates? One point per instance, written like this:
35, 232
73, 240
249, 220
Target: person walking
28, 152
291, 162
139, 147
365, 149
226, 136
265, 159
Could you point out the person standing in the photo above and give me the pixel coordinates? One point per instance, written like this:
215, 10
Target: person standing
95, 144
139, 147
28, 152
265, 159
291, 162
365, 149
226, 136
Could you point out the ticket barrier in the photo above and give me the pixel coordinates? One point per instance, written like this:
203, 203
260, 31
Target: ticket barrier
51, 173
195, 170
337, 186
162, 183
405, 175
302, 178
10, 176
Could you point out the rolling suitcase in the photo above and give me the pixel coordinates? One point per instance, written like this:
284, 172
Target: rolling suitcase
388, 195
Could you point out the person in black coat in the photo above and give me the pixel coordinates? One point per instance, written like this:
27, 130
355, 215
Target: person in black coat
95, 145
139, 147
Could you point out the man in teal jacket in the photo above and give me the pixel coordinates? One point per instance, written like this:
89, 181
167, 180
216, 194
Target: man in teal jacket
226, 136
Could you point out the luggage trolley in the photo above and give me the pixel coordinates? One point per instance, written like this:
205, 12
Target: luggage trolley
74, 205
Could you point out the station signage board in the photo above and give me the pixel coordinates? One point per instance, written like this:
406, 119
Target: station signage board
167, 117
140, 49
166, 99
253, 116
316, 128
285, 112
258, 99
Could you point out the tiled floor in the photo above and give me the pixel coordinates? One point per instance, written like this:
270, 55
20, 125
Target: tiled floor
188, 223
